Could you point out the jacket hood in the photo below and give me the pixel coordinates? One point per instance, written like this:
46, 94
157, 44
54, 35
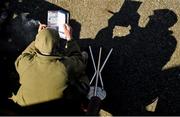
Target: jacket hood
47, 40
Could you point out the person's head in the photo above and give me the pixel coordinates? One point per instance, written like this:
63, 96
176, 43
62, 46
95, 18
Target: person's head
47, 41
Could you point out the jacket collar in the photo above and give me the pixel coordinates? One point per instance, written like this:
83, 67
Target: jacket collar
48, 57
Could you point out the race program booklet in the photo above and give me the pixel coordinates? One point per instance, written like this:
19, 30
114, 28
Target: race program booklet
57, 19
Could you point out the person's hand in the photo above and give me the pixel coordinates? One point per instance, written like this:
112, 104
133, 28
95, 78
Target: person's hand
68, 32
41, 26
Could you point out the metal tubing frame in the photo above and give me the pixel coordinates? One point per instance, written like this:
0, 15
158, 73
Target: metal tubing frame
98, 69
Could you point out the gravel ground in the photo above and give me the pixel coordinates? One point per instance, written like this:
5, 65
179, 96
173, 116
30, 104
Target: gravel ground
145, 60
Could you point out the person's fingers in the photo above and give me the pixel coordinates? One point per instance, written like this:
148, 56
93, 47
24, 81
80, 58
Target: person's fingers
68, 31
64, 26
42, 26
67, 27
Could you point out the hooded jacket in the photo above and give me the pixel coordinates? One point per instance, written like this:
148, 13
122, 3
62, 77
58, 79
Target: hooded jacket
43, 73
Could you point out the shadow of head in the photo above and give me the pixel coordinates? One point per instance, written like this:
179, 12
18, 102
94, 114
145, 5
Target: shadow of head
127, 15
37, 9
163, 17
25, 20
157, 30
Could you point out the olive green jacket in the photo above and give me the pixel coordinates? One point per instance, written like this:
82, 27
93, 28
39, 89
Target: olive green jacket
44, 78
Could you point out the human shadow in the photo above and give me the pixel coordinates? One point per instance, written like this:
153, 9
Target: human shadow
169, 103
131, 73
148, 51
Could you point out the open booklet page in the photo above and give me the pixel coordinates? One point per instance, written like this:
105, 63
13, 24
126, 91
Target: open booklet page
57, 19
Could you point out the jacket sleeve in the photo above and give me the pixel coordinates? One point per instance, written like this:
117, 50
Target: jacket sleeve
74, 62
76, 71
23, 61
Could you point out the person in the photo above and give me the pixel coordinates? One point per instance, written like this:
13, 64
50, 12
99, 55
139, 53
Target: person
46, 72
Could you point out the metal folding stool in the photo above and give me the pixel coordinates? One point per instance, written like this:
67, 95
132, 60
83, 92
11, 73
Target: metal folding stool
96, 93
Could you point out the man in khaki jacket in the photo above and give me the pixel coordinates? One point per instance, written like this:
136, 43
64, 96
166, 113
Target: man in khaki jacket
44, 71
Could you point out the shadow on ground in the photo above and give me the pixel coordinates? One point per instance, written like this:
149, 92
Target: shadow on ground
133, 75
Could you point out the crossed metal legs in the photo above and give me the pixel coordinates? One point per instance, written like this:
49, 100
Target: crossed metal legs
97, 91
